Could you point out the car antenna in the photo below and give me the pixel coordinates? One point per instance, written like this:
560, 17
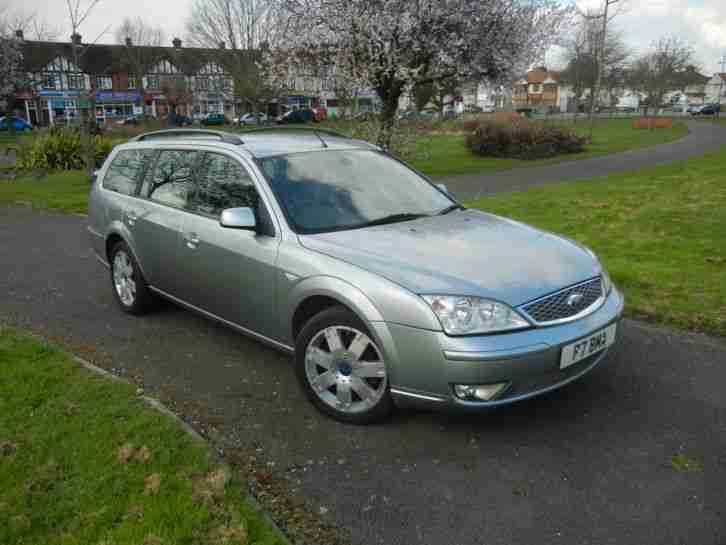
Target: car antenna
320, 138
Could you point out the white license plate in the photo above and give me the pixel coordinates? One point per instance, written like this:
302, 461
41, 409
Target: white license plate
579, 350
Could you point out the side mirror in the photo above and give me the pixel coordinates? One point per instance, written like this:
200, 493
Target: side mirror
443, 188
238, 218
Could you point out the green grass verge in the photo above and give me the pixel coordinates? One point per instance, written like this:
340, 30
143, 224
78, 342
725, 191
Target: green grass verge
63, 191
84, 461
659, 231
446, 154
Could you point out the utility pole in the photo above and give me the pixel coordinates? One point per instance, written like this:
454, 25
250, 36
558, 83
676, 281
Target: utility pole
600, 62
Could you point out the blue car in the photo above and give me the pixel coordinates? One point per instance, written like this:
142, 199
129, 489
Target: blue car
18, 124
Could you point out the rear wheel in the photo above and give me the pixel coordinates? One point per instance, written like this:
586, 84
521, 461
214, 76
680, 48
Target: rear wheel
131, 291
342, 369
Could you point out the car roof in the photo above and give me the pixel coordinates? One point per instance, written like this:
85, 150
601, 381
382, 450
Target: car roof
259, 143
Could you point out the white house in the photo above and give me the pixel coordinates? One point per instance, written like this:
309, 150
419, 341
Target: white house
716, 89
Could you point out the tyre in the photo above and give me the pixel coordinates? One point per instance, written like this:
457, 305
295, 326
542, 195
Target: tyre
341, 368
129, 287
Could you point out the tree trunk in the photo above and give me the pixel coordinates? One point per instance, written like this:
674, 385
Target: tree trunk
390, 93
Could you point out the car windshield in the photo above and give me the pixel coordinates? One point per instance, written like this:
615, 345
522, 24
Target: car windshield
338, 190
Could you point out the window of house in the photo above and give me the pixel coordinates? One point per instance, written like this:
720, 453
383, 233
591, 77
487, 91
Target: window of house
203, 84
76, 81
132, 84
51, 81
125, 171
172, 179
221, 183
153, 82
104, 82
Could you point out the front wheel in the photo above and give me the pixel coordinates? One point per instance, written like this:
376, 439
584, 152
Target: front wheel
342, 369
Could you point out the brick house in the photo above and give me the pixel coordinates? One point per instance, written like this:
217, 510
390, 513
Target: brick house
540, 90
62, 76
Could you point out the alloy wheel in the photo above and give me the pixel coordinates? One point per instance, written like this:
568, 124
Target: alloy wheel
345, 369
123, 278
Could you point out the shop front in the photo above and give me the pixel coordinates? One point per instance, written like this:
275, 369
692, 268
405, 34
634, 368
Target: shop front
56, 107
115, 105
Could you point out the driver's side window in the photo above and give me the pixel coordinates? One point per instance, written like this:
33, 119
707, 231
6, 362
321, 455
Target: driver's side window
221, 182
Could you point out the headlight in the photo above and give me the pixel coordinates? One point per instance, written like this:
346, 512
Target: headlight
466, 315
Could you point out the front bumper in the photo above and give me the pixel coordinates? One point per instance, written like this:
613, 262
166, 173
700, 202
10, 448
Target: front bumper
424, 365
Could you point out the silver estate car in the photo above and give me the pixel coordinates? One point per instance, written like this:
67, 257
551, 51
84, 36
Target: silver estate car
385, 289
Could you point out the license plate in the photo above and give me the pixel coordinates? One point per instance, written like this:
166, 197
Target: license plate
579, 350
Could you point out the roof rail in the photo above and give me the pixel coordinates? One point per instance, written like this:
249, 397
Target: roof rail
293, 128
197, 134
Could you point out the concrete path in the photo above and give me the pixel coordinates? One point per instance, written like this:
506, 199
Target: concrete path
702, 138
590, 464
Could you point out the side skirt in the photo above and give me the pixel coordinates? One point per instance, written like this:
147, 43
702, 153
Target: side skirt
248, 332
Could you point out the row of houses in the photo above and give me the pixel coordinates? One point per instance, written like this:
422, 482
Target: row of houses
543, 89
62, 76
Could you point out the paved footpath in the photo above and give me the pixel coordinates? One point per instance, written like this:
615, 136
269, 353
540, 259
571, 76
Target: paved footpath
702, 138
589, 464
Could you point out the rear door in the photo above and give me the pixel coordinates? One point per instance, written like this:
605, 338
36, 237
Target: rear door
229, 272
157, 219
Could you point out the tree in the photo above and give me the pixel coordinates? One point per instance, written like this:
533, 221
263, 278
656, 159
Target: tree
660, 70
422, 93
141, 51
247, 27
11, 73
78, 13
585, 52
392, 45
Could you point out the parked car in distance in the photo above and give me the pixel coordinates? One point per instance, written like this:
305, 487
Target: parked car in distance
215, 119
252, 118
321, 113
693, 109
14, 123
181, 121
129, 120
383, 288
709, 109
413, 115
304, 115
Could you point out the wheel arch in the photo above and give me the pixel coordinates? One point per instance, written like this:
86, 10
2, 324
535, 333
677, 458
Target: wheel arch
314, 295
119, 233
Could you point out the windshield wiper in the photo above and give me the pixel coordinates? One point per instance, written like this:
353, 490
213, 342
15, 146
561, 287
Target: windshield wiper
394, 218
451, 209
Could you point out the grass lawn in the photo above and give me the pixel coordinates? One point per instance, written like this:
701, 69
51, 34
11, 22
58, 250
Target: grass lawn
661, 233
63, 191
446, 154
84, 461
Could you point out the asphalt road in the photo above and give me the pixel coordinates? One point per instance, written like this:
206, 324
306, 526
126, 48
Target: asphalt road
703, 137
590, 464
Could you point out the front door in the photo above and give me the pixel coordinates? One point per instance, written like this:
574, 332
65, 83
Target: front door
228, 272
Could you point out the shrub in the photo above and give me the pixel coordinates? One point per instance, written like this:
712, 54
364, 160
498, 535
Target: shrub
470, 125
60, 149
653, 123
524, 140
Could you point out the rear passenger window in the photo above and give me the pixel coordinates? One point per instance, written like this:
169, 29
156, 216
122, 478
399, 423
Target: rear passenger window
172, 179
222, 182
125, 171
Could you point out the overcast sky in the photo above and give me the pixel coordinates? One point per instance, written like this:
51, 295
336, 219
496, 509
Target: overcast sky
701, 22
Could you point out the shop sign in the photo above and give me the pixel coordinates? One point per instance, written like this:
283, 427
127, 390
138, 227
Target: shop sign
69, 95
117, 96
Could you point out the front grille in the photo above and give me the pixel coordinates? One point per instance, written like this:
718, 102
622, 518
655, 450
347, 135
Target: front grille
566, 303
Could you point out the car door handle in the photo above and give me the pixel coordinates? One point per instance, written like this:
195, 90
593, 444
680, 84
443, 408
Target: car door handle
192, 240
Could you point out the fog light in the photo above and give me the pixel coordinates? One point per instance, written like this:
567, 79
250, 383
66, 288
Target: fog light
479, 392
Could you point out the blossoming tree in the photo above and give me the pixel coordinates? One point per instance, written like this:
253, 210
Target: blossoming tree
391, 45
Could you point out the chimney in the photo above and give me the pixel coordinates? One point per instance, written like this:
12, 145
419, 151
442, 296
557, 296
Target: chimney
128, 41
222, 45
76, 38
177, 43
19, 34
